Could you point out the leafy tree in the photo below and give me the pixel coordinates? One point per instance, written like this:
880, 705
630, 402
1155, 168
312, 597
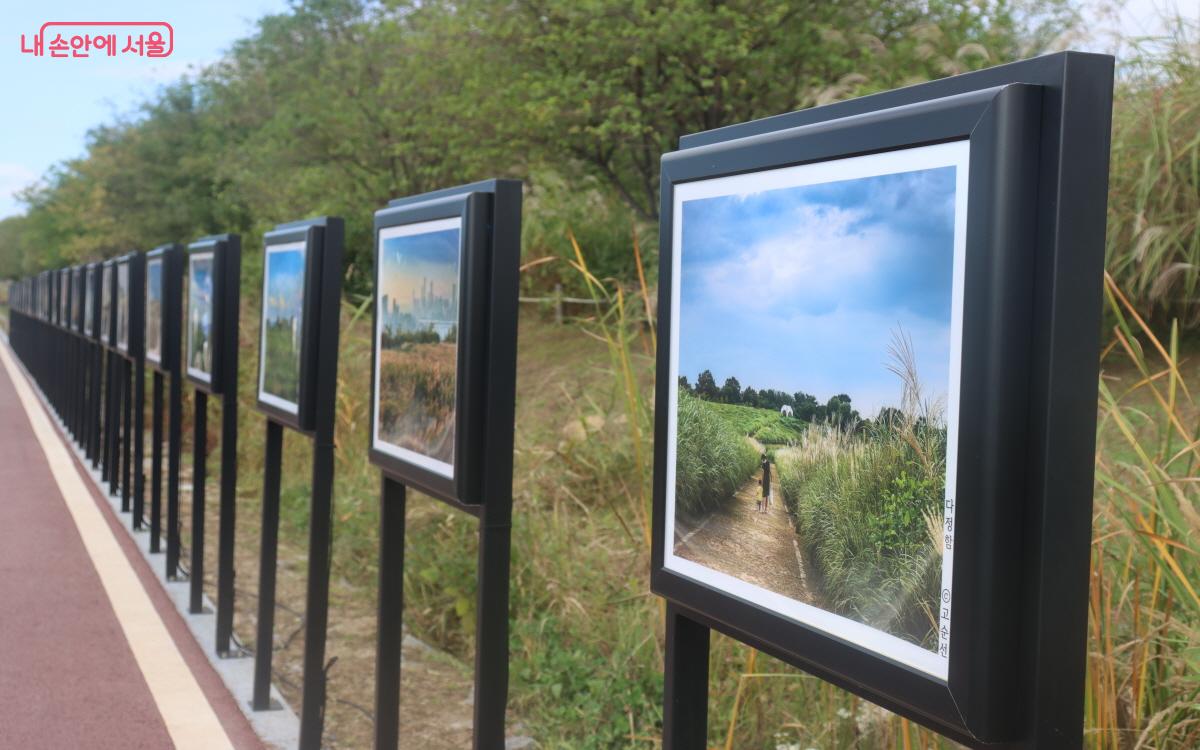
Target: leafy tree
750, 397
839, 412
706, 386
805, 405
684, 384
731, 392
609, 85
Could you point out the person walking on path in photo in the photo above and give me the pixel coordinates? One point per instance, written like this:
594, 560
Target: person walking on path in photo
766, 484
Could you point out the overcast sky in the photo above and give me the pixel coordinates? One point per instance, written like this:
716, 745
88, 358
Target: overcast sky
53, 102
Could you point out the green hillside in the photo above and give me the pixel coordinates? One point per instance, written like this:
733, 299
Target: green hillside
764, 425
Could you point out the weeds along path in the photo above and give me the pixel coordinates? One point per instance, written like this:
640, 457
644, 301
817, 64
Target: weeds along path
759, 548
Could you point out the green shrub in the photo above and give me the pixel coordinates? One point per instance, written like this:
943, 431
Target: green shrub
864, 507
713, 458
1153, 248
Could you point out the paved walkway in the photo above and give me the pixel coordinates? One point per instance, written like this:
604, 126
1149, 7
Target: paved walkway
92, 652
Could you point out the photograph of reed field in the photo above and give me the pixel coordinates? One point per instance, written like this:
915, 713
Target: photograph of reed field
200, 315
811, 447
123, 305
154, 288
282, 323
417, 340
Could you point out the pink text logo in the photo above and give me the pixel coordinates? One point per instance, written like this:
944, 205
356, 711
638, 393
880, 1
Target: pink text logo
101, 38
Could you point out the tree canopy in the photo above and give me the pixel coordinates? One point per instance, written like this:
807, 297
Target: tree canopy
337, 106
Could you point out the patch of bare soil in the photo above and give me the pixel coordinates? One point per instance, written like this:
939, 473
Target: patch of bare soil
436, 705
757, 547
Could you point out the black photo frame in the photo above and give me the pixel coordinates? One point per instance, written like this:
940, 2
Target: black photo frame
289, 237
1016, 637
153, 315
91, 312
169, 261
77, 298
472, 212
212, 250
108, 298
64, 298
122, 323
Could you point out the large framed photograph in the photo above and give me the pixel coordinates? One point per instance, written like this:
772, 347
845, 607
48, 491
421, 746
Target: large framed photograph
122, 305
154, 308
107, 293
429, 256
828, 297
287, 335
202, 321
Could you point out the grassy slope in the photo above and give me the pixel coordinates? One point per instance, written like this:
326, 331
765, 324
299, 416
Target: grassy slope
586, 659
714, 458
766, 426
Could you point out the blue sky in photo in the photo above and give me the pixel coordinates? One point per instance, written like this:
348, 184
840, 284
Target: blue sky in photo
802, 288
200, 291
154, 280
285, 284
409, 259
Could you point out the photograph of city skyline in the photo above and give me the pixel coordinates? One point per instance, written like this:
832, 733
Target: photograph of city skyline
417, 342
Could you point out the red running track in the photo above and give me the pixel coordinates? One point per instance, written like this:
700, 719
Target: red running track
68, 678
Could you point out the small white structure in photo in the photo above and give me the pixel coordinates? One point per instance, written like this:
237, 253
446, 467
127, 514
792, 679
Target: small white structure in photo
785, 411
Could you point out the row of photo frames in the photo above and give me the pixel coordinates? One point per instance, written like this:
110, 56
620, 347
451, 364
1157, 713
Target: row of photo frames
431, 277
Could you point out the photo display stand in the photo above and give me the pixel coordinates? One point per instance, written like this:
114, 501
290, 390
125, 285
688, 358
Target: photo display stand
130, 376
214, 270
446, 266
95, 355
296, 387
961, 223
78, 356
163, 324
109, 469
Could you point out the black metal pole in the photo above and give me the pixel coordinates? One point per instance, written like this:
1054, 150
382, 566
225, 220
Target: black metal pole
156, 438
106, 428
126, 433
199, 457
227, 522
174, 440
139, 444
264, 643
95, 400
491, 633
685, 689
391, 614
69, 383
320, 525
114, 426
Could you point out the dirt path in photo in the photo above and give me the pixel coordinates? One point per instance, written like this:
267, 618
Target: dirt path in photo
759, 548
